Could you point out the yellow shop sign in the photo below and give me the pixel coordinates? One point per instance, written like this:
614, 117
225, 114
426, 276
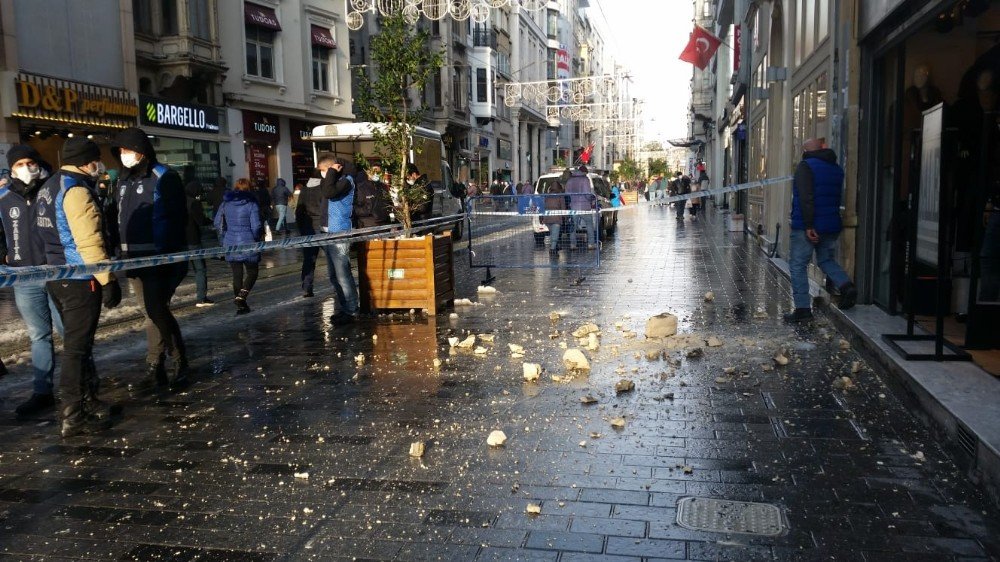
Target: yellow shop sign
53, 99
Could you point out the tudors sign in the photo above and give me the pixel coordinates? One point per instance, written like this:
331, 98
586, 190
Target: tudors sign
157, 112
54, 99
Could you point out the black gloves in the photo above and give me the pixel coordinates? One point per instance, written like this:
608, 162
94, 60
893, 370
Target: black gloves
111, 294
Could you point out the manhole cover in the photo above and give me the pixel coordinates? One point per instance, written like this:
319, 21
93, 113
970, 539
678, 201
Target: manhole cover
724, 516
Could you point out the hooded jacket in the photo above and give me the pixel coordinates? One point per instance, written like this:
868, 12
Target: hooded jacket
580, 192
238, 222
69, 222
152, 207
372, 204
18, 242
816, 192
338, 188
280, 193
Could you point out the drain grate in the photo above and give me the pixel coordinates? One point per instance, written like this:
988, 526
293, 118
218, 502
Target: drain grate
724, 516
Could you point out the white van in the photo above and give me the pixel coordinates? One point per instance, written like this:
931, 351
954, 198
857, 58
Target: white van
426, 151
598, 186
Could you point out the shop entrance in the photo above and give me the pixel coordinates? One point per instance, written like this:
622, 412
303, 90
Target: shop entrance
952, 60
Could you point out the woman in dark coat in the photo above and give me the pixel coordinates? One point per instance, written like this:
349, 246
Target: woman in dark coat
239, 222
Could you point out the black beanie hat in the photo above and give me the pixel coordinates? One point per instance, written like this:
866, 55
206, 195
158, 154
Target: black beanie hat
20, 152
79, 151
134, 139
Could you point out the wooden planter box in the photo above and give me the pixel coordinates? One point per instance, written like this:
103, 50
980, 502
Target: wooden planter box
407, 273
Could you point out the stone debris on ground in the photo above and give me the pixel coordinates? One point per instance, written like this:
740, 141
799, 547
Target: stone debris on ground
531, 371
661, 326
585, 330
496, 438
575, 361
417, 449
713, 341
709, 296
623, 386
588, 399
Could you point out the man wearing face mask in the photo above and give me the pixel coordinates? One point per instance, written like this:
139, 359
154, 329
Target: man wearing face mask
422, 210
152, 217
21, 248
338, 185
70, 229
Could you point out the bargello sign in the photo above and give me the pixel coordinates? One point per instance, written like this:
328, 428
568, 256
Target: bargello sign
157, 112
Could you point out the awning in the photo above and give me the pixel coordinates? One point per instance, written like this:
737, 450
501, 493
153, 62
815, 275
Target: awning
261, 16
321, 37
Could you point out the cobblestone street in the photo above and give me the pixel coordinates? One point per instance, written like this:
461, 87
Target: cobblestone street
289, 446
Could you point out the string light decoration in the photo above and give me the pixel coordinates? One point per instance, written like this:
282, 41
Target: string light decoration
565, 90
435, 10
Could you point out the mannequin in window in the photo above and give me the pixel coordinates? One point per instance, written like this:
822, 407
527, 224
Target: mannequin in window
975, 115
922, 95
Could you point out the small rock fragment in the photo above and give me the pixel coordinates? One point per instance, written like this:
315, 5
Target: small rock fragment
709, 296
688, 469
515, 348
575, 360
855, 367
496, 438
583, 444
467, 342
437, 363
593, 343
453, 316
722, 380
595, 435
465, 302
554, 316
843, 383
486, 290
585, 330
453, 341
695, 353
624, 385
618, 423
359, 359
844, 345
532, 371
417, 449
533, 509
302, 475
780, 359
588, 399
713, 341
661, 326
488, 338
481, 350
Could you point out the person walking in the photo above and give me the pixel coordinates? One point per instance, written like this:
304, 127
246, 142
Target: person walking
582, 202
372, 203
238, 222
19, 248
196, 221
264, 202
70, 229
279, 196
152, 219
680, 189
555, 201
337, 186
816, 226
310, 210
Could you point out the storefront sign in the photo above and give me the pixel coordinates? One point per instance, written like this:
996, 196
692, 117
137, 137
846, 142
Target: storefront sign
257, 163
261, 16
737, 41
301, 130
321, 37
172, 115
260, 127
53, 99
504, 149
929, 205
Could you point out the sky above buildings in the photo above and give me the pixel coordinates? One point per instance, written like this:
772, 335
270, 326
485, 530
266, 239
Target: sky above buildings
647, 36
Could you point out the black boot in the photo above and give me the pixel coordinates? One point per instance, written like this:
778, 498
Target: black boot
92, 385
179, 374
241, 302
799, 315
36, 404
77, 421
848, 296
156, 376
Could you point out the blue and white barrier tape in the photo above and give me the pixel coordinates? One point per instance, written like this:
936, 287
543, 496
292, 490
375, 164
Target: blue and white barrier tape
11, 276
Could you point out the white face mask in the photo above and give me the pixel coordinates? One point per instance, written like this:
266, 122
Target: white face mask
130, 160
97, 170
411, 182
27, 174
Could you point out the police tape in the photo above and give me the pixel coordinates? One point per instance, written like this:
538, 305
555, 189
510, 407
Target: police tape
11, 276
671, 199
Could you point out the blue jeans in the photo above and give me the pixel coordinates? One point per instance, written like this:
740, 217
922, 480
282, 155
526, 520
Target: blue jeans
586, 222
798, 263
40, 315
281, 210
554, 229
338, 264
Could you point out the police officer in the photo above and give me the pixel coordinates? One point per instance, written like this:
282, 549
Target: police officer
152, 217
21, 249
70, 227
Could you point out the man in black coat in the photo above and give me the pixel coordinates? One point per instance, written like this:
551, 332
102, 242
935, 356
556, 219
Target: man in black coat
196, 221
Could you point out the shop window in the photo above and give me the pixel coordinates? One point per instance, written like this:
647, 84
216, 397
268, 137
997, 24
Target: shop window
437, 86
142, 16
198, 19
321, 68
260, 52
482, 87
168, 15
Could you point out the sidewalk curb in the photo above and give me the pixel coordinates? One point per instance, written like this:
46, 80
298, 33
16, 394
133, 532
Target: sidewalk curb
959, 410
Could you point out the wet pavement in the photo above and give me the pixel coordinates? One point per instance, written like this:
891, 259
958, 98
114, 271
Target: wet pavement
289, 446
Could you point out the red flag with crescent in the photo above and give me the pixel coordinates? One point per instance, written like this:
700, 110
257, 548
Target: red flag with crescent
587, 152
701, 47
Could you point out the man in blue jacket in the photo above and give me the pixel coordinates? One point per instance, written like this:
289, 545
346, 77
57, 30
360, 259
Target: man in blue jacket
152, 219
337, 185
18, 248
816, 225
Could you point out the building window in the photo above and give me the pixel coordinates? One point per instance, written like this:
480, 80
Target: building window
814, 27
260, 52
438, 94
552, 24
168, 14
482, 87
198, 19
321, 68
457, 91
142, 16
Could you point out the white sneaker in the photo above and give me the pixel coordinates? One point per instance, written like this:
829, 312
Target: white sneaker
204, 302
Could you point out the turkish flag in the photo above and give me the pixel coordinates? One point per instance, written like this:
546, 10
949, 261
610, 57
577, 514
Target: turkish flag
585, 155
701, 47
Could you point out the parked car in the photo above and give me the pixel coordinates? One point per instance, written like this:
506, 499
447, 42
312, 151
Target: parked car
601, 190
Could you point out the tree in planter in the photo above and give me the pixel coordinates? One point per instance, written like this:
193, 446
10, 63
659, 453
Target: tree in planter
403, 63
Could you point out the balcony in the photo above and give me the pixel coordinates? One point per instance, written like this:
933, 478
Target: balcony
484, 38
